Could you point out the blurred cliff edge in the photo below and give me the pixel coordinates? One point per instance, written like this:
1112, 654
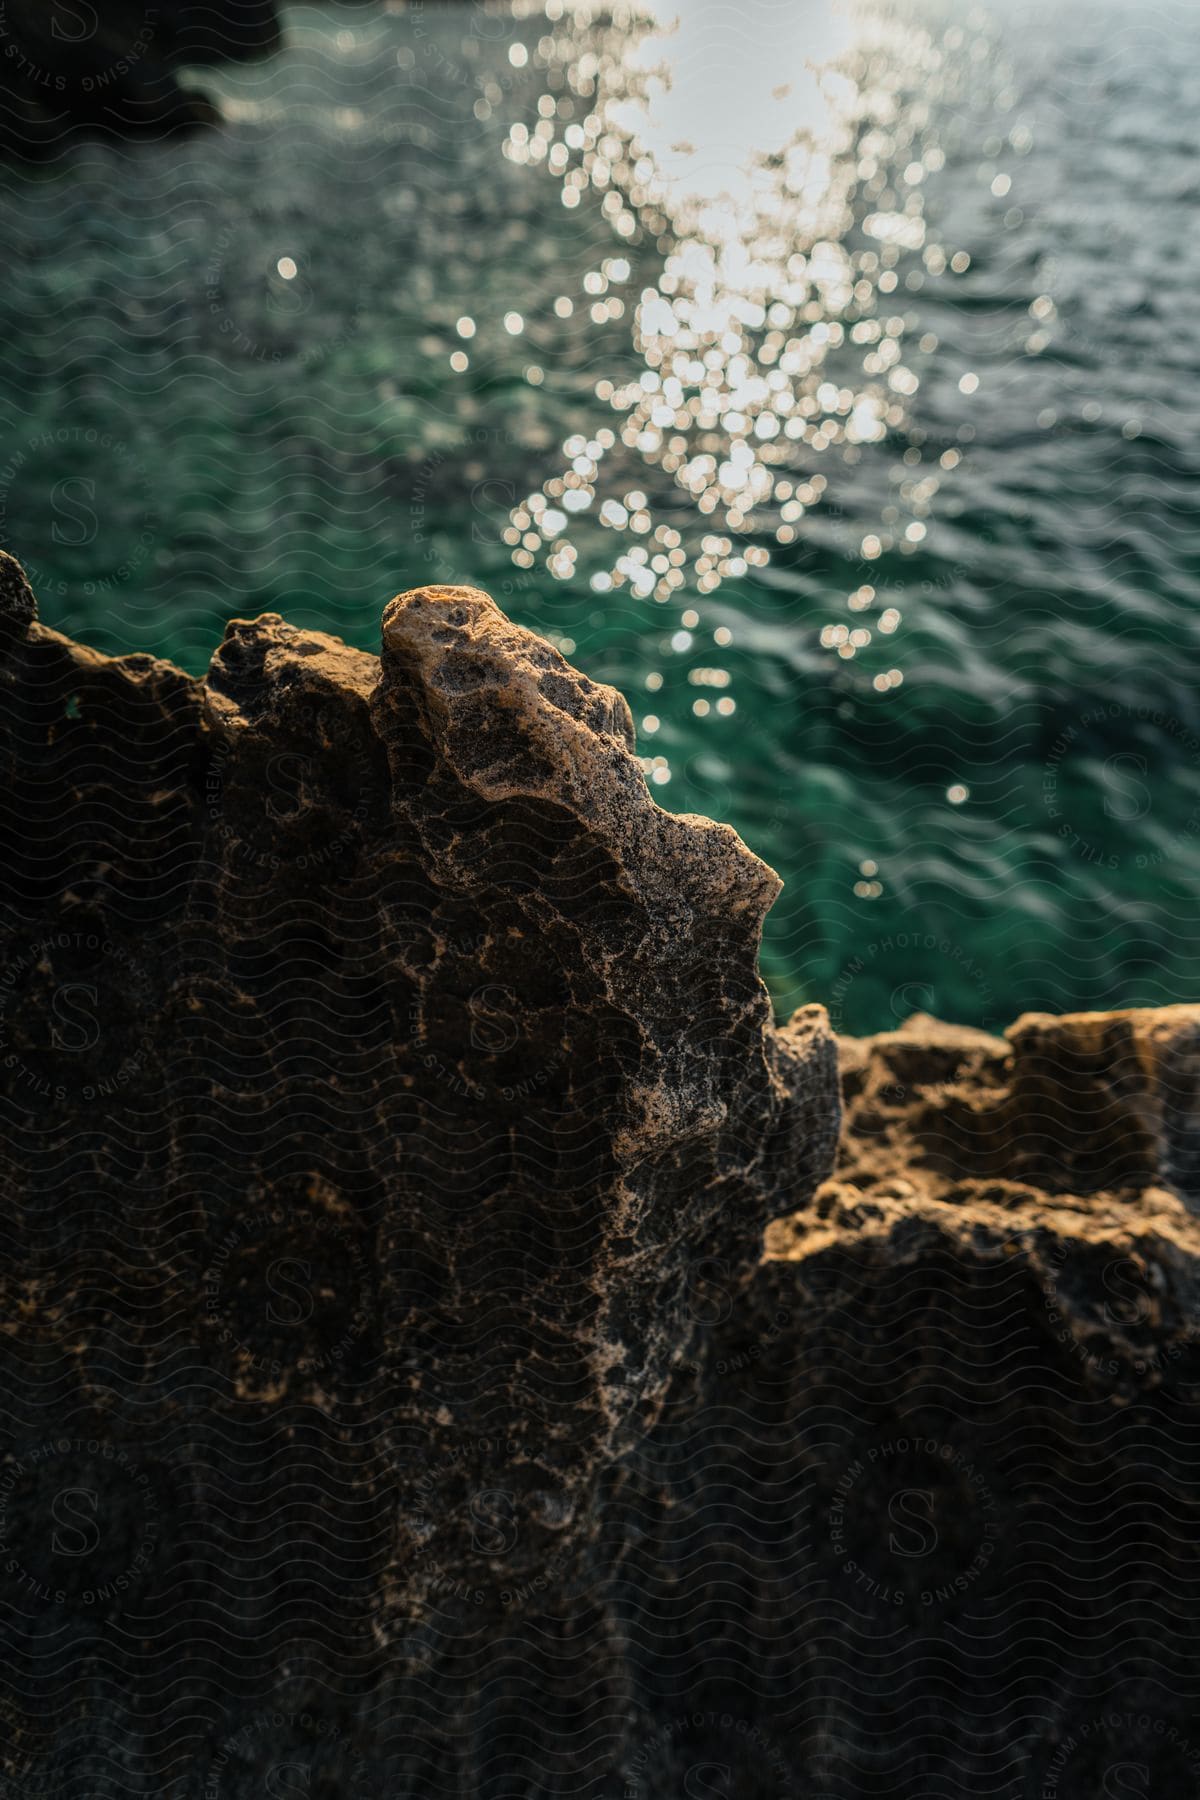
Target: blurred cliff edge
110, 67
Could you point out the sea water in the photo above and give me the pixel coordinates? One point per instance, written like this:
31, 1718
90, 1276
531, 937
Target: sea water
822, 376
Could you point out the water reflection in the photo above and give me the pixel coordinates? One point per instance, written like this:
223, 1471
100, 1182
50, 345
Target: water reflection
849, 526
778, 163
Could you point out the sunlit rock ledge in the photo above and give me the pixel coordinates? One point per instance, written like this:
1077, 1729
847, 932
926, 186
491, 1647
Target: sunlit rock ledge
480, 1362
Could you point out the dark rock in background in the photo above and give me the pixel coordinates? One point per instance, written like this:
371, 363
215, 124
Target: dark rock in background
109, 66
400, 1396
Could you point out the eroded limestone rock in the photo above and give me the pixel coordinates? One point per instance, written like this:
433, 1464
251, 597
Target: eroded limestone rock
399, 1394
945, 1451
378, 1047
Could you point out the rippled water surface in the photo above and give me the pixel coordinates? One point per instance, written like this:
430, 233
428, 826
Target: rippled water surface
824, 377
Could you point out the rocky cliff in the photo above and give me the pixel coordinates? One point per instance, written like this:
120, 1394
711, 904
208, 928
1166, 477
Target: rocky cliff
441, 1353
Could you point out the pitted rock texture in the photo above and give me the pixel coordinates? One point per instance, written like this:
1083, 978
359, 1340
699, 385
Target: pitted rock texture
384, 1081
1083, 1103
439, 1355
945, 1451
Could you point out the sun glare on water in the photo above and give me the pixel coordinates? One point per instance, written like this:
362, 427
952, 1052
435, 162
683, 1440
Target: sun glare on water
777, 157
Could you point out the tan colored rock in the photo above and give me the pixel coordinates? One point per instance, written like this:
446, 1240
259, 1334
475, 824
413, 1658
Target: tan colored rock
1082, 1103
390, 1117
391, 969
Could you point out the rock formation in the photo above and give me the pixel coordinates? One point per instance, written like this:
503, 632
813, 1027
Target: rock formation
109, 65
936, 1477
440, 1356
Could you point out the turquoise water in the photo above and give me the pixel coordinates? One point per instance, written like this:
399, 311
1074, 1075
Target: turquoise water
834, 399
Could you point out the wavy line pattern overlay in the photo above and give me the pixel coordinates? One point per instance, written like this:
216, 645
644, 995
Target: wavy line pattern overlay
455, 1340
828, 400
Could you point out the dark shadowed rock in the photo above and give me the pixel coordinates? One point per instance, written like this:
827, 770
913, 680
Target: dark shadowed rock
385, 1081
70, 65
399, 1395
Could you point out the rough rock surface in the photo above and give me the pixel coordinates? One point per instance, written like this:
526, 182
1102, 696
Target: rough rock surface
385, 1080
109, 66
438, 1355
936, 1476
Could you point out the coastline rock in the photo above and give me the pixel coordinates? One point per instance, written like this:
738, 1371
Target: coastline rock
385, 1079
440, 1354
921, 1515
68, 67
